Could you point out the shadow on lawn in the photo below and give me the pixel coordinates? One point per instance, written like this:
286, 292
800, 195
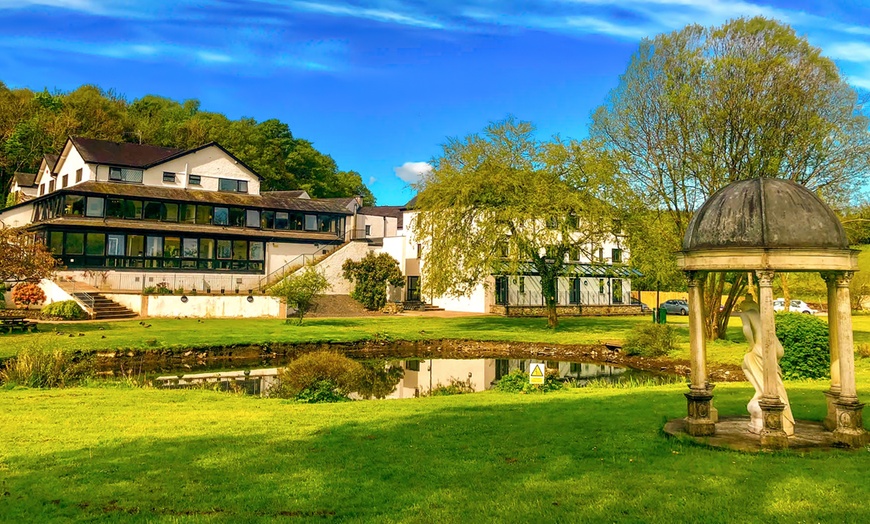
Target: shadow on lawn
567, 458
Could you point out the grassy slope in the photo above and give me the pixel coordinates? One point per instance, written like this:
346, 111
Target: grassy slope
582, 455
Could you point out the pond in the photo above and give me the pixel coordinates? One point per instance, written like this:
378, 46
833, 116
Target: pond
421, 376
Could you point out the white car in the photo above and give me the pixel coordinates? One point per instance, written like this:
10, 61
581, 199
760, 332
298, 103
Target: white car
796, 306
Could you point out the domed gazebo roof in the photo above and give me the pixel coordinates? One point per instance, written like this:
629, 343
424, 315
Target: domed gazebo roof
766, 223
765, 213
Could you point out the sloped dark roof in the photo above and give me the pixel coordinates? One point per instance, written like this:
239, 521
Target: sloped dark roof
296, 193
384, 211
25, 179
411, 203
330, 205
764, 213
121, 154
51, 161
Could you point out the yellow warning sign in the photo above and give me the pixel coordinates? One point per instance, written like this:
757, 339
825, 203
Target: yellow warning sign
536, 374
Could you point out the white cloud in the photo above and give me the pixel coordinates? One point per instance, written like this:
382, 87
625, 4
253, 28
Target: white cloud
412, 172
372, 180
380, 15
849, 51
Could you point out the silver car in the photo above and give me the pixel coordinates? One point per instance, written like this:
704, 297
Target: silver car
676, 306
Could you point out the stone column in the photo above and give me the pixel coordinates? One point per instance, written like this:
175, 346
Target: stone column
699, 421
850, 426
772, 434
833, 394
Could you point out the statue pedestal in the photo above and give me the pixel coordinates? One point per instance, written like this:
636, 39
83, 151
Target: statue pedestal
772, 434
831, 397
850, 430
699, 422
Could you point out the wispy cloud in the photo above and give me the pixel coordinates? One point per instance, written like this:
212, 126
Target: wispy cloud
377, 14
412, 172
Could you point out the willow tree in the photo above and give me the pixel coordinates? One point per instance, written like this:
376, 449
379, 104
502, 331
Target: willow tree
503, 200
701, 107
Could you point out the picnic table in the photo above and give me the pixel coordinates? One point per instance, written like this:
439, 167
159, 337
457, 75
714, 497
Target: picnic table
11, 324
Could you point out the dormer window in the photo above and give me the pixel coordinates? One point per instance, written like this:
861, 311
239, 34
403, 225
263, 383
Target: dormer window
233, 186
123, 174
168, 178
195, 180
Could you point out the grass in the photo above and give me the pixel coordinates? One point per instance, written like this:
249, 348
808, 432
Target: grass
143, 455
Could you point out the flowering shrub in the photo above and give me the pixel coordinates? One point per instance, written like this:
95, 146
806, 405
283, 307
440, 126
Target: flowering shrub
28, 294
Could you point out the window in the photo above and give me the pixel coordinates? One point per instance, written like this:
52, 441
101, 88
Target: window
74, 205
600, 286
419, 251
233, 186
204, 214
115, 208
257, 251
267, 219
281, 220
368, 234
522, 285
224, 249
64, 181
133, 209
168, 178
326, 224
240, 249
115, 246
195, 180
206, 248
573, 253
74, 244
310, 222
296, 221
95, 206
96, 244
412, 365
169, 212
501, 291
153, 246
221, 216
41, 189
237, 217
51, 186
252, 218
189, 248
601, 254
135, 245
171, 247
55, 242
123, 174
616, 256
151, 210
616, 295
78, 175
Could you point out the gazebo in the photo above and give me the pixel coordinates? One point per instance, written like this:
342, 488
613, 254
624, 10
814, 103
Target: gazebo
763, 226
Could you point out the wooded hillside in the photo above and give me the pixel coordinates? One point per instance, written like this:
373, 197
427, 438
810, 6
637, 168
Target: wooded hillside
36, 123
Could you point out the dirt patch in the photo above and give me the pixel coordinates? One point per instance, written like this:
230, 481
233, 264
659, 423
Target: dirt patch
271, 355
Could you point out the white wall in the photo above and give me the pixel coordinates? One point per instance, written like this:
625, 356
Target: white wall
478, 302
331, 266
210, 164
278, 254
213, 306
17, 217
53, 292
481, 371
68, 167
379, 226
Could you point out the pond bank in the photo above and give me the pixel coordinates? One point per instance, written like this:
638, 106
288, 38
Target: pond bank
159, 359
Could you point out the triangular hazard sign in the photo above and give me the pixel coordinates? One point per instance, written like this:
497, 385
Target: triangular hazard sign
536, 371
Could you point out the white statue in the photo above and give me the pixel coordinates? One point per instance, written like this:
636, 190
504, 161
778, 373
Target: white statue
753, 368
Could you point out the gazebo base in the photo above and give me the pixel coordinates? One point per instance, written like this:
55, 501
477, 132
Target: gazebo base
733, 433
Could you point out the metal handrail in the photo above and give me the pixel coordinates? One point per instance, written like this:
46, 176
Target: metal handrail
294, 264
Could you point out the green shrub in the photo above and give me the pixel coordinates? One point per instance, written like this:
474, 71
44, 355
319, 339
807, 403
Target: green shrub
309, 371
67, 310
517, 381
40, 368
370, 277
322, 391
805, 341
650, 340
454, 387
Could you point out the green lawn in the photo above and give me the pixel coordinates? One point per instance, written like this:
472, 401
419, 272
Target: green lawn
597, 455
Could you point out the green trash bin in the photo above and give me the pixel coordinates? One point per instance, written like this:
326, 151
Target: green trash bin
663, 316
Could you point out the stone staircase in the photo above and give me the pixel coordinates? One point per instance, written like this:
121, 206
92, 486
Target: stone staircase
413, 305
105, 309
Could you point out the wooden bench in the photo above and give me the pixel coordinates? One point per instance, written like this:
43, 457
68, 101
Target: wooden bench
12, 324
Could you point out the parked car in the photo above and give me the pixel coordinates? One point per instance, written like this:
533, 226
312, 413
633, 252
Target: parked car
796, 306
676, 306
643, 307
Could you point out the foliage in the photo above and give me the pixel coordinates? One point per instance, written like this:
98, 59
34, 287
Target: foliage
378, 378
805, 341
311, 370
28, 294
35, 124
702, 107
517, 381
300, 290
501, 200
322, 391
22, 257
65, 309
370, 277
454, 387
162, 288
650, 340
35, 367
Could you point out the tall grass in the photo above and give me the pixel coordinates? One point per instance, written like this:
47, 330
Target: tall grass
35, 367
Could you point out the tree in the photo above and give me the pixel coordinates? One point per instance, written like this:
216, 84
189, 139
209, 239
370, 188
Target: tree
300, 290
22, 257
496, 202
702, 107
370, 277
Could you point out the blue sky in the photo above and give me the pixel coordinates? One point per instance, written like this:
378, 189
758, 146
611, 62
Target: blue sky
380, 84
